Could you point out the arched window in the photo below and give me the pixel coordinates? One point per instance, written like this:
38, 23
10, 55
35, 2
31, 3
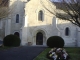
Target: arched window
40, 15
17, 18
67, 31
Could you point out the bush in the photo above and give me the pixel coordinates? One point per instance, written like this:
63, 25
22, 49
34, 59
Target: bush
11, 41
55, 41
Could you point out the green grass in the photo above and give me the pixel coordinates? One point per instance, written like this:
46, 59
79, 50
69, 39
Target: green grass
4, 48
74, 53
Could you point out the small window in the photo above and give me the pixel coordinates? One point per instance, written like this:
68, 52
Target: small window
40, 16
67, 31
17, 18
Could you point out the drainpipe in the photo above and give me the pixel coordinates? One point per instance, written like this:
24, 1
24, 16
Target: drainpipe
57, 27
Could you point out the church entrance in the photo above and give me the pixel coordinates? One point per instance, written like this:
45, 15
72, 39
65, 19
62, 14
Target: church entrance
39, 38
16, 33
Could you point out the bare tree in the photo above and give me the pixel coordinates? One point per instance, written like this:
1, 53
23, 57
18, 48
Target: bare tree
67, 10
4, 9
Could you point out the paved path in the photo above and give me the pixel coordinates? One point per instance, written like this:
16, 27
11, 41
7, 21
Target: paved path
1, 43
21, 53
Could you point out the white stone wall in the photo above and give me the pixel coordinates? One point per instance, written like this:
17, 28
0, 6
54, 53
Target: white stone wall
78, 37
71, 39
32, 9
17, 7
7, 27
2, 30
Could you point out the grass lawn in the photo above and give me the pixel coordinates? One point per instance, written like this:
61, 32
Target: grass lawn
74, 53
3, 48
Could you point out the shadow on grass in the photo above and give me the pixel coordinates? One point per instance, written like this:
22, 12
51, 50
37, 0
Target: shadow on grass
74, 53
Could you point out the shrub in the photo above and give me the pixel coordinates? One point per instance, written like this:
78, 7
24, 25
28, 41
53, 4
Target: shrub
11, 41
55, 41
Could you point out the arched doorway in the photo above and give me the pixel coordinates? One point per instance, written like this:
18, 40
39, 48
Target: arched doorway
16, 33
39, 38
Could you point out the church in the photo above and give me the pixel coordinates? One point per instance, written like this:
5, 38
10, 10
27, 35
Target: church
34, 24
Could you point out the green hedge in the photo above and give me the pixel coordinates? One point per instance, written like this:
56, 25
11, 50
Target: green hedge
55, 41
11, 41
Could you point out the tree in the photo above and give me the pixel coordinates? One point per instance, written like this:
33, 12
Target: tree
4, 9
67, 10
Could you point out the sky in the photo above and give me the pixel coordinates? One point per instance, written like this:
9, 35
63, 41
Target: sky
56, 0
65, 0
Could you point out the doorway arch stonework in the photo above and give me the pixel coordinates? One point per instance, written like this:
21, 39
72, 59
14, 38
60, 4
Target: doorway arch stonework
17, 34
44, 37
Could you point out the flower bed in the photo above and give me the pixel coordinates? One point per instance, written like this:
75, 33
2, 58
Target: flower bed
58, 54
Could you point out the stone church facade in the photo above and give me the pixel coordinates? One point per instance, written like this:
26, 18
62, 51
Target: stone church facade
34, 24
